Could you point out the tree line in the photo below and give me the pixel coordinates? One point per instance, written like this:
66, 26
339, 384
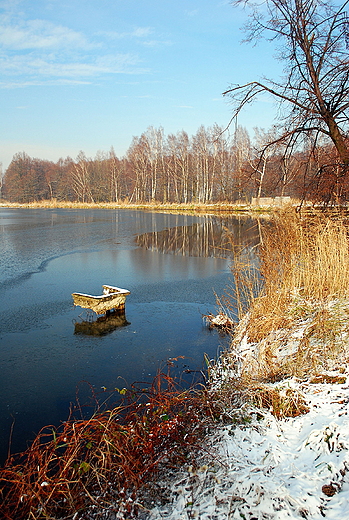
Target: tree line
209, 166
305, 156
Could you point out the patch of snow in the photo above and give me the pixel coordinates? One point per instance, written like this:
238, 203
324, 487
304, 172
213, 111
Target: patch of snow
269, 468
272, 469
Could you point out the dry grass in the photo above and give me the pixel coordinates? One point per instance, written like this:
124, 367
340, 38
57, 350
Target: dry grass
234, 396
309, 255
126, 204
293, 311
102, 462
191, 207
302, 260
281, 402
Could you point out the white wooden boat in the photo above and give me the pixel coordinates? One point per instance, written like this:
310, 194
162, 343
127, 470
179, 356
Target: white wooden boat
112, 298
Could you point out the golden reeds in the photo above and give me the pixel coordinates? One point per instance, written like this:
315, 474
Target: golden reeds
191, 207
126, 204
304, 258
293, 306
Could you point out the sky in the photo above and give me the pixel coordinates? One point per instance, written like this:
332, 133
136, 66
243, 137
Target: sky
88, 75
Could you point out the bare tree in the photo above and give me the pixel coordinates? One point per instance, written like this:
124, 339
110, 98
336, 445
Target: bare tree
155, 149
115, 172
179, 166
24, 179
81, 178
314, 94
241, 153
223, 164
138, 157
259, 160
203, 164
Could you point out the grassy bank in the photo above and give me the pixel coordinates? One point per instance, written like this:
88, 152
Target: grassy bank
219, 207
293, 310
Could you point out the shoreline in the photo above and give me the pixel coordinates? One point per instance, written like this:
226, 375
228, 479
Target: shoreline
283, 452
237, 208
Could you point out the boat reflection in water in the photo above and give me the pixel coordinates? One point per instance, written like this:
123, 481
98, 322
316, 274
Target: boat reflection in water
103, 325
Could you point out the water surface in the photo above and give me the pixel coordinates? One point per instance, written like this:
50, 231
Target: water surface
172, 264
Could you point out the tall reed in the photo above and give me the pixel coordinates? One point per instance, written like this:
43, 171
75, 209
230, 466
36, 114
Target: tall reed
304, 257
293, 311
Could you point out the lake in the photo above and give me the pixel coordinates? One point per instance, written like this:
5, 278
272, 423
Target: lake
174, 265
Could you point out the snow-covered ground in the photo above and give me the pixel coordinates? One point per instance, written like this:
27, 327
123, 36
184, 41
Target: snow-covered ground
268, 468
272, 468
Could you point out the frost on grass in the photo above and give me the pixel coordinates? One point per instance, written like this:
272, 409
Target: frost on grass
272, 468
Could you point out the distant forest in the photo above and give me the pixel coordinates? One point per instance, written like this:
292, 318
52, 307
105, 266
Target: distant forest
210, 166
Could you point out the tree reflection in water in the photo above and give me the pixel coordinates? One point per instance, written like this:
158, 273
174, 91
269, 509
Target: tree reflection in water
211, 238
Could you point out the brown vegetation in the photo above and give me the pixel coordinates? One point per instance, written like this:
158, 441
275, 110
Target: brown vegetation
103, 461
293, 315
152, 206
295, 305
302, 258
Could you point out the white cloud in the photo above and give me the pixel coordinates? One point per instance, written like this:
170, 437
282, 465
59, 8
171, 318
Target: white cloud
51, 66
137, 32
38, 83
41, 52
155, 43
142, 32
40, 34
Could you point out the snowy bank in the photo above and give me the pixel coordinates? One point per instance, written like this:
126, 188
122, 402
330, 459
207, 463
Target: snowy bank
256, 466
271, 468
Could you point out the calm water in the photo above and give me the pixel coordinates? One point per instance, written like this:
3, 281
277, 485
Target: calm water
172, 264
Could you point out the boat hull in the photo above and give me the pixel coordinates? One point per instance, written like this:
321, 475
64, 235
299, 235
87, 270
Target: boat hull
112, 298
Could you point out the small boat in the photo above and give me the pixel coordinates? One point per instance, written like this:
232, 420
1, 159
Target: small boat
112, 298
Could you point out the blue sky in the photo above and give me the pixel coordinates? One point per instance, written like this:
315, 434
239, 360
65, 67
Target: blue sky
90, 74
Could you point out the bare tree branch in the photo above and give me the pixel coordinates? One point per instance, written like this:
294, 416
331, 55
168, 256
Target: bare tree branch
314, 36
